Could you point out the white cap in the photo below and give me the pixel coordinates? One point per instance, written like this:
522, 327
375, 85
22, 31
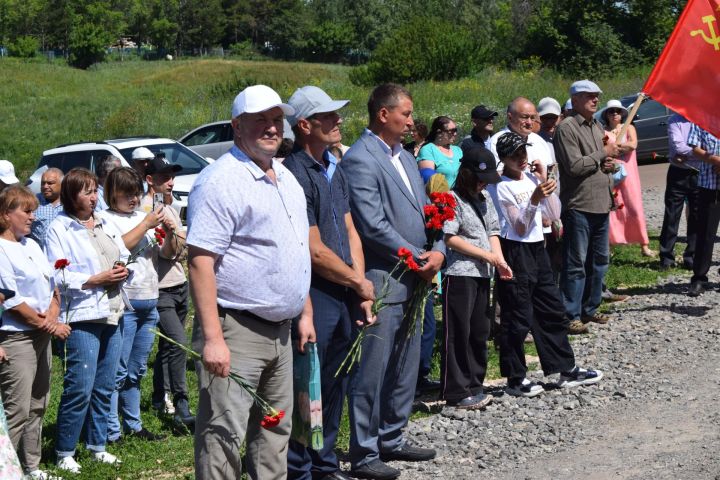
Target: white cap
548, 106
142, 153
258, 98
568, 105
7, 173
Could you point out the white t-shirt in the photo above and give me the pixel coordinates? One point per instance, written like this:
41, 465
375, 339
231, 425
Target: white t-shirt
523, 220
142, 284
24, 268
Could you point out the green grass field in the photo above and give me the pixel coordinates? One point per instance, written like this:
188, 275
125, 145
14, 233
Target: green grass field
48, 104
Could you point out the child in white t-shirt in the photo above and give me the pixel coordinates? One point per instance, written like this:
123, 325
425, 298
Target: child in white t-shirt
530, 301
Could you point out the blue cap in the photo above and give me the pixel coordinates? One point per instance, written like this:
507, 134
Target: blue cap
584, 86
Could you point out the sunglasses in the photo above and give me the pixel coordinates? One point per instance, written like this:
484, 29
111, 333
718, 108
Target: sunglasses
451, 131
614, 111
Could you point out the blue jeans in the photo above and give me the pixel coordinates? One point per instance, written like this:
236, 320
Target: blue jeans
136, 345
586, 253
93, 352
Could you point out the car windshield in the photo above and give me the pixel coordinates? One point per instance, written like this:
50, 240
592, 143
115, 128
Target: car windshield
175, 153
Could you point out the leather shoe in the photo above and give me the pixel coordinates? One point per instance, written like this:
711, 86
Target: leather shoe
409, 453
375, 470
696, 289
336, 475
424, 384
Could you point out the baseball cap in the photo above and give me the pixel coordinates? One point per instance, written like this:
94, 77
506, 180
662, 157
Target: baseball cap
7, 172
481, 162
568, 105
548, 106
258, 98
309, 100
508, 143
584, 86
142, 153
161, 164
482, 112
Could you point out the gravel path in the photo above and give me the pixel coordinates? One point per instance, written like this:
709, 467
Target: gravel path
655, 415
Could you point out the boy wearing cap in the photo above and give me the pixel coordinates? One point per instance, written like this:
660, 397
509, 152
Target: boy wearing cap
172, 303
249, 266
530, 301
338, 281
586, 163
482, 119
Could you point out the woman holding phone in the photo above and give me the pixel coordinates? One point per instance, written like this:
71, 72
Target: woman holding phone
88, 253
123, 189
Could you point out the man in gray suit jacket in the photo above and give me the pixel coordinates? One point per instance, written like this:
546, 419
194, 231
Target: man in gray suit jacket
387, 197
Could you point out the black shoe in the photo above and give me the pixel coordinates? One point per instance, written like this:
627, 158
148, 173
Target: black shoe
337, 475
667, 266
696, 289
144, 434
424, 384
376, 470
687, 264
182, 413
475, 402
409, 453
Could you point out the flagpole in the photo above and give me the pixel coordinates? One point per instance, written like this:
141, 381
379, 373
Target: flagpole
633, 111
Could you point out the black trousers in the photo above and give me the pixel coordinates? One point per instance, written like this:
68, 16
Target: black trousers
707, 229
531, 302
171, 360
463, 360
681, 184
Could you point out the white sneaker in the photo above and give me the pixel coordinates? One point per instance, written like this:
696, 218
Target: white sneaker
68, 464
525, 389
105, 457
169, 407
40, 475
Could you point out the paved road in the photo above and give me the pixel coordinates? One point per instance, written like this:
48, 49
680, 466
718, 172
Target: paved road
653, 176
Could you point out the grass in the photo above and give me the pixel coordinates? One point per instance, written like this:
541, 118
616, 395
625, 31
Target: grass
48, 104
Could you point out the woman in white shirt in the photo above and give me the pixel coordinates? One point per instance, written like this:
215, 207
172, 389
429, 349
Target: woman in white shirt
123, 189
92, 303
530, 301
29, 320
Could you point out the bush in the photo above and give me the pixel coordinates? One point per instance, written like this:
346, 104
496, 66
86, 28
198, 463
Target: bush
245, 51
88, 45
423, 49
24, 46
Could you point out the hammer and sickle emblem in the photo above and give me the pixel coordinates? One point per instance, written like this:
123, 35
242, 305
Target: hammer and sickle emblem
713, 39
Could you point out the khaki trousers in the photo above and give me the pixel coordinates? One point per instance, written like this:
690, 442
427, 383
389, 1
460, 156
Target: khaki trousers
25, 389
261, 353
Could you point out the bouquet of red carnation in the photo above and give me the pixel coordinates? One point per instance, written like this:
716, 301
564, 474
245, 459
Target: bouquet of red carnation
440, 210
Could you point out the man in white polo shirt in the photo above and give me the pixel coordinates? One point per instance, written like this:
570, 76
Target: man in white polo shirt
249, 264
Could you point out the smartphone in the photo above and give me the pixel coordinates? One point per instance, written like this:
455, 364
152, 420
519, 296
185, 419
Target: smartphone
158, 199
7, 293
551, 175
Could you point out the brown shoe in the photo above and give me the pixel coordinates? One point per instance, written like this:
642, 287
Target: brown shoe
615, 297
577, 327
597, 318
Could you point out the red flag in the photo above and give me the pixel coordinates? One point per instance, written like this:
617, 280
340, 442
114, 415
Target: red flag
686, 77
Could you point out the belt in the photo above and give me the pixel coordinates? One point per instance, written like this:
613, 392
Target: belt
248, 314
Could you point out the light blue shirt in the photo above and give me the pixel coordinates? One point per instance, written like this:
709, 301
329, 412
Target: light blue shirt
44, 215
259, 232
700, 138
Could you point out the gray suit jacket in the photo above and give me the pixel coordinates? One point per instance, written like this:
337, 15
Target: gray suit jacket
385, 214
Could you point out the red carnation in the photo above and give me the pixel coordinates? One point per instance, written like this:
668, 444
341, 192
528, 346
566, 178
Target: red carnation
621, 206
430, 210
61, 263
270, 421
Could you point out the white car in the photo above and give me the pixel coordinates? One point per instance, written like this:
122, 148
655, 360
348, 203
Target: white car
210, 140
88, 154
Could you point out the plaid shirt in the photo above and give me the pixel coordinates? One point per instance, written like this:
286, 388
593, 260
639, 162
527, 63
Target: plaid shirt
44, 215
698, 137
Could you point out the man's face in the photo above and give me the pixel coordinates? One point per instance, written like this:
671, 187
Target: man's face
521, 120
483, 126
586, 103
50, 186
259, 134
141, 165
325, 127
162, 182
549, 122
397, 121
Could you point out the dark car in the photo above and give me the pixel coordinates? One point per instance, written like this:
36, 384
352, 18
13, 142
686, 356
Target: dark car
651, 123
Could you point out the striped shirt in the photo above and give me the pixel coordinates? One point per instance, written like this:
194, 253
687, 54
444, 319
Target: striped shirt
698, 137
